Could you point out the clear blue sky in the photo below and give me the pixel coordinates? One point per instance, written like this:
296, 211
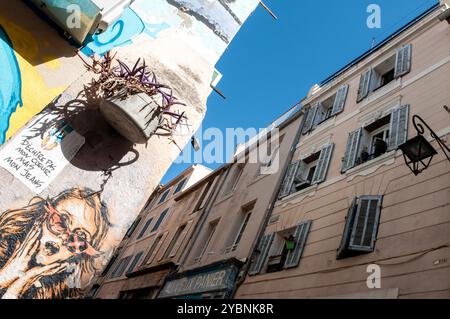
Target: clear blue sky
271, 65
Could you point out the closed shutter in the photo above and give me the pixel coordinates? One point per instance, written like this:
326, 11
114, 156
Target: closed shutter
132, 228
144, 229
118, 266
398, 132
263, 252
300, 235
134, 262
124, 266
364, 85
310, 117
351, 151
286, 187
403, 61
323, 164
180, 239
365, 225
347, 230
339, 101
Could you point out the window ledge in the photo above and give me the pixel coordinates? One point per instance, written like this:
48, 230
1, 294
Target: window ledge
321, 128
298, 196
379, 94
371, 166
224, 198
258, 178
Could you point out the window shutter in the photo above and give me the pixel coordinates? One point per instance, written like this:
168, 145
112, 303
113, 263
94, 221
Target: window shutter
347, 230
180, 239
398, 132
309, 122
365, 225
300, 235
339, 102
403, 61
364, 85
351, 151
263, 248
299, 174
134, 262
323, 164
286, 187
157, 248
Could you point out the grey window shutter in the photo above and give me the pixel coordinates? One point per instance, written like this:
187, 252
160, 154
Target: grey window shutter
364, 85
291, 172
351, 151
403, 60
263, 252
310, 117
323, 164
339, 101
300, 235
398, 132
299, 174
347, 230
365, 224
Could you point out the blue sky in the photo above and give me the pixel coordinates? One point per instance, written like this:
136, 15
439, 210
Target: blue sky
271, 65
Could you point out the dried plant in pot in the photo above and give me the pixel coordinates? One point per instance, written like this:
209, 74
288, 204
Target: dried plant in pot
132, 100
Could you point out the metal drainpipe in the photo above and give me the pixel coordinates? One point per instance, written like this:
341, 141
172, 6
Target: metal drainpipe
273, 200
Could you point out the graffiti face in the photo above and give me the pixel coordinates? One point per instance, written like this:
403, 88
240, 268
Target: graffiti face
48, 248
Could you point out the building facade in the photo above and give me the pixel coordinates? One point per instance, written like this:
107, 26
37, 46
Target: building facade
351, 220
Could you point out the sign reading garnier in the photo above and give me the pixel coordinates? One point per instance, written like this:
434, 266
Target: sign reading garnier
214, 280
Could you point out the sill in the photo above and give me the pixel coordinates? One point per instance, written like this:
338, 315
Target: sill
320, 128
258, 178
298, 196
224, 198
371, 166
381, 93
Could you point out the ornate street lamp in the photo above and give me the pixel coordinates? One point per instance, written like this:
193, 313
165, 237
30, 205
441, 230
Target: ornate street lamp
418, 152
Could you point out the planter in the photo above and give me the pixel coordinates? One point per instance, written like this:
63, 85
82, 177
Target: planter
134, 117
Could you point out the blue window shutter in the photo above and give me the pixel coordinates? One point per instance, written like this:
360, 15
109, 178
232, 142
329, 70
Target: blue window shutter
323, 164
339, 101
134, 262
364, 85
300, 235
403, 60
365, 224
286, 186
398, 132
351, 151
347, 230
263, 251
310, 117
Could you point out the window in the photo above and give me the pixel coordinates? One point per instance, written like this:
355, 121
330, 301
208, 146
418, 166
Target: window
180, 186
207, 239
152, 251
133, 227
144, 229
287, 247
164, 196
160, 220
134, 262
372, 141
272, 157
322, 111
242, 226
233, 177
361, 226
170, 251
307, 172
108, 267
390, 69
121, 267
205, 194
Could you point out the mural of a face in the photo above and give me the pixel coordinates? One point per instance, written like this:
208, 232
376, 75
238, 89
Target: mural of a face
48, 246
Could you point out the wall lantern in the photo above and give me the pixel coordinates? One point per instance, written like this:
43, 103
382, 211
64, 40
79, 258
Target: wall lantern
418, 152
290, 243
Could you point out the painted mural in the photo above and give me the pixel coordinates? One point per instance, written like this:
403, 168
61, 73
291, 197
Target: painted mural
49, 248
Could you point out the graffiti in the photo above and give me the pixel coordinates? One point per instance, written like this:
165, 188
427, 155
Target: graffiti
10, 83
49, 248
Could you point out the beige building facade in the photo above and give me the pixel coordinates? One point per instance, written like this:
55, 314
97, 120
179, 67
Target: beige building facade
351, 220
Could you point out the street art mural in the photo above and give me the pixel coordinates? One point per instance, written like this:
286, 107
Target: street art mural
49, 248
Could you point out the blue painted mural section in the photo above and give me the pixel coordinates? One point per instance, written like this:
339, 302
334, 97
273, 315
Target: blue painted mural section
10, 83
121, 33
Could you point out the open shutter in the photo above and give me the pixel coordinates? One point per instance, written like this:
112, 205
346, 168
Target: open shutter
286, 187
263, 252
310, 116
398, 132
339, 101
365, 225
351, 151
403, 61
180, 239
364, 85
300, 235
323, 164
299, 174
347, 230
